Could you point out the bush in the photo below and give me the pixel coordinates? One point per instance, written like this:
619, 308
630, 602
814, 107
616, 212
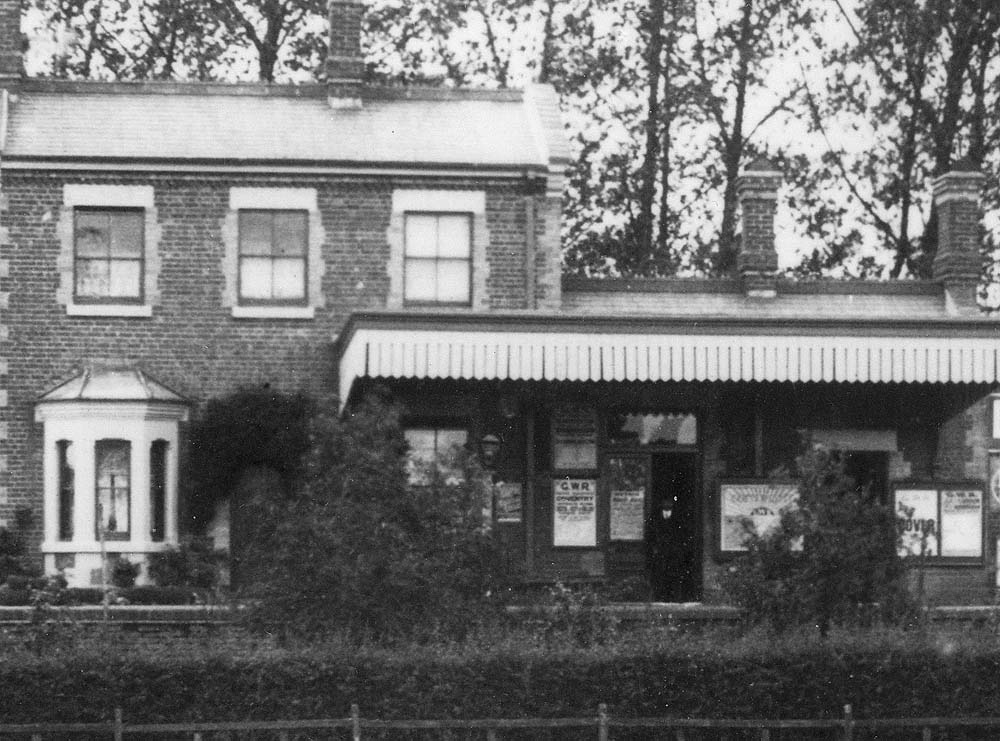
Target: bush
252, 427
194, 563
356, 547
833, 559
124, 573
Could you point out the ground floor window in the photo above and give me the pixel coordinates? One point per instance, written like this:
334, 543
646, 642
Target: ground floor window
434, 446
110, 471
113, 461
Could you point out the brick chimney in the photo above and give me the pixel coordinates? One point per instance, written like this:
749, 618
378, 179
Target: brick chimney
10, 42
344, 63
958, 263
757, 262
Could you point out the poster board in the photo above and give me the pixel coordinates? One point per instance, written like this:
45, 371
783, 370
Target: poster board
943, 521
628, 516
917, 512
574, 513
509, 501
574, 438
751, 503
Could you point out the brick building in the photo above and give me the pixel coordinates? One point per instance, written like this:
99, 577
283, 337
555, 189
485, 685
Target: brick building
166, 243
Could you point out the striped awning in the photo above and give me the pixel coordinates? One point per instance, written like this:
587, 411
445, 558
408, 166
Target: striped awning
469, 354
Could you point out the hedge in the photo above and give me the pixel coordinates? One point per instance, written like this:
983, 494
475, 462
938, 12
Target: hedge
694, 677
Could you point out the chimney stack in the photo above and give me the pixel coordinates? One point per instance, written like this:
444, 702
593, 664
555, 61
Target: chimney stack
344, 64
757, 262
958, 263
10, 42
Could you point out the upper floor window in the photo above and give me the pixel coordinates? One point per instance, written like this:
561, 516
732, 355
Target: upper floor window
273, 264
108, 255
438, 258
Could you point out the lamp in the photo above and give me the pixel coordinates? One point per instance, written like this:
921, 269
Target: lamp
489, 449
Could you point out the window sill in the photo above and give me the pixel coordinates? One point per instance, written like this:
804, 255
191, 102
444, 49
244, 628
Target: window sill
274, 312
140, 311
117, 546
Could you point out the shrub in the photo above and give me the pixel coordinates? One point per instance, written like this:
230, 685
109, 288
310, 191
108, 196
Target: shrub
252, 427
194, 563
124, 573
833, 559
356, 547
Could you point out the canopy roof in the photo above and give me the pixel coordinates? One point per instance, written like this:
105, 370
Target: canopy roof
112, 384
587, 348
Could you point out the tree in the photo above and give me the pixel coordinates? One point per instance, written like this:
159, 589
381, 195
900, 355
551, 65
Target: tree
833, 559
356, 548
921, 79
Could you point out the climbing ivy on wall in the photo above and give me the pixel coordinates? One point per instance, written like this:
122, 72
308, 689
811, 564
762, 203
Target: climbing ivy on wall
252, 427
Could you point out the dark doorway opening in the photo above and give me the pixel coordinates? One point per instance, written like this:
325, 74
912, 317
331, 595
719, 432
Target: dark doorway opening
673, 537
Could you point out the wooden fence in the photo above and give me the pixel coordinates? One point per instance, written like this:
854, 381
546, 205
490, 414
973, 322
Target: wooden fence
603, 726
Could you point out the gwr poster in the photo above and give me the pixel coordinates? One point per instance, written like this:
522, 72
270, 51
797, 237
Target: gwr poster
627, 514
961, 523
574, 511
758, 505
917, 510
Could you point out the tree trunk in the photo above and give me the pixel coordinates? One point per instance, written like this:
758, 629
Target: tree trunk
733, 152
650, 158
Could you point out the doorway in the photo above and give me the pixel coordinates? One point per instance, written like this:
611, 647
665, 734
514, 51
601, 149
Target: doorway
672, 535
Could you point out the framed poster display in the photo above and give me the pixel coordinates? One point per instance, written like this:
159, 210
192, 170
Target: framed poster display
943, 521
628, 515
574, 513
507, 495
574, 438
751, 506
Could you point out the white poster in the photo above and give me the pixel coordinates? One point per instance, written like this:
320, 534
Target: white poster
508, 501
574, 511
627, 514
961, 523
917, 510
758, 505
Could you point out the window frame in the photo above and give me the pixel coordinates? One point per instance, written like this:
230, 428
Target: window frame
469, 218
242, 300
437, 426
141, 259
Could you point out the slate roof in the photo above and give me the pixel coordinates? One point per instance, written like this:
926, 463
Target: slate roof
694, 299
260, 123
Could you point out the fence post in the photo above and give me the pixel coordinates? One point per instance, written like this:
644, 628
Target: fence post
118, 724
925, 734
848, 723
355, 722
602, 722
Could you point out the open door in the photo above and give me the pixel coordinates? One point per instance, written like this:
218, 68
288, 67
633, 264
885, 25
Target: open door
673, 535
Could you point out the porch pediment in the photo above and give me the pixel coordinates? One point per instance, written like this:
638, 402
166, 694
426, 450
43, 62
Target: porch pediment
531, 350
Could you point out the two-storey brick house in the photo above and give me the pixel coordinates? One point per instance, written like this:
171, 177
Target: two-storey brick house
165, 243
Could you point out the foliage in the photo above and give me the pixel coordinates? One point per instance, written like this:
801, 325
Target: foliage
576, 613
881, 674
124, 573
832, 560
250, 427
355, 547
193, 563
861, 105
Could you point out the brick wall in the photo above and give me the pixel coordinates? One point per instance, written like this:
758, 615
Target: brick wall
191, 342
